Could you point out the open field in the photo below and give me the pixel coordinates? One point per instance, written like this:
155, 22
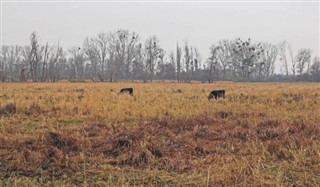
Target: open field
167, 134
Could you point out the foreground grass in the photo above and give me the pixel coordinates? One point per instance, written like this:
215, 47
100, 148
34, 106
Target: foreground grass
165, 135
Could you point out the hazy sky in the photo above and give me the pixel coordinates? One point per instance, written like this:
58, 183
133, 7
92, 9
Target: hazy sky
203, 24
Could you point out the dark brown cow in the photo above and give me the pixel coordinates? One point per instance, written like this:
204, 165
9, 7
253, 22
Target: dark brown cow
127, 90
216, 94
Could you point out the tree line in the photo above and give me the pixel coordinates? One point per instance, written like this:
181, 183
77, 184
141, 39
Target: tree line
124, 55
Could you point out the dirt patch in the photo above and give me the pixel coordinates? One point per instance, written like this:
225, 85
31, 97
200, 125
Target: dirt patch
34, 110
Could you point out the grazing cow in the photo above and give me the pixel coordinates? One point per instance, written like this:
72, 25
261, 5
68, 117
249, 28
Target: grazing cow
126, 90
216, 94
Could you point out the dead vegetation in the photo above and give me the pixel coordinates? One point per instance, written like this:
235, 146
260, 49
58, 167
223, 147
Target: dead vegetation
8, 109
166, 135
182, 145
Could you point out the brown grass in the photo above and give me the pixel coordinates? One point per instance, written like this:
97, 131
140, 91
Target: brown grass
241, 140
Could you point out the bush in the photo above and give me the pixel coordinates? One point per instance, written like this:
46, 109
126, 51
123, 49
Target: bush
8, 109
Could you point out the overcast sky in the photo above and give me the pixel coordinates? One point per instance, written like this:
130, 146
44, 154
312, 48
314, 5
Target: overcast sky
203, 24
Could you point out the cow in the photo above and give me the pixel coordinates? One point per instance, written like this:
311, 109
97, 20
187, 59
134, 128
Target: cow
126, 90
216, 94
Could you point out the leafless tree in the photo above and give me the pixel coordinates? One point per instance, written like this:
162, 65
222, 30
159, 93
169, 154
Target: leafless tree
315, 69
224, 55
137, 62
283, 56
45, 52
246, 57
172, 59
55, 59
169, 69
10, 59
287, 57
197, 59
131, 52
161, 64
121, 55
188, 60
293, 61
178, 60
96, 51
32, 56
268, 58
77, 61
123, 50
213, 62
303, 59
152, 51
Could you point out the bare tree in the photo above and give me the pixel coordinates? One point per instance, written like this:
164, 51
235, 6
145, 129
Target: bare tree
45, 50
161, 64
303, 59
55, 59
132, 40
10, 62
293, 61
315, 69
178, 60
287, 58
3, 63
137, 63
283, 56
213, 62
224, 55
119, 43
77, 62
197, 59
268, 58
168, 70
32, 56
152, 51
101, 42
123, 49
96, 51
246, 57
172, 59
121, 55
188, 61
113, 50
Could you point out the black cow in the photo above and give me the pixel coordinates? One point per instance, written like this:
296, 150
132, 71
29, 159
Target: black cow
216, 94
126, 90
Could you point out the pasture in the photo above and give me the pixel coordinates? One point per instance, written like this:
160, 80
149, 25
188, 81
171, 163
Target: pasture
166, 134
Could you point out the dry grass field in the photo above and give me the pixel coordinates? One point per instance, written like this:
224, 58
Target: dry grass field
167, 134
